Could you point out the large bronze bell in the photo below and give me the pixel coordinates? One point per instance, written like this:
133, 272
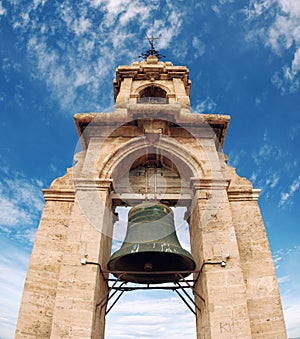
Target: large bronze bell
150, 245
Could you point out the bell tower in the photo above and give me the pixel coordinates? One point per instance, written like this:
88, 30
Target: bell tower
152, 82
151, 150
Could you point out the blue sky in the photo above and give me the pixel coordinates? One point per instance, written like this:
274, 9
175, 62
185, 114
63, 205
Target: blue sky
59, 58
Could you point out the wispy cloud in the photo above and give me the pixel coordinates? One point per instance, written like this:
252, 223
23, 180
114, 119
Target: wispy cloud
267, 181
267, 150
208, 105
277, 24
284, 279
13, 267
293, 188
234, 158
160, 316
291, 313
199, 47
274, 166
2, 10
284, 253
287, 262
277, 257
76, 50
21, 203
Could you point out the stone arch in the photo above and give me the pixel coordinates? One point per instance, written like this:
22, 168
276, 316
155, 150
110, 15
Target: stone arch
140, 89
169, 147
153, 91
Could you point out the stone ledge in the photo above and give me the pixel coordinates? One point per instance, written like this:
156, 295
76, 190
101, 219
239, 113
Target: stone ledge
252, 195
209, 184
58, 195
93, 184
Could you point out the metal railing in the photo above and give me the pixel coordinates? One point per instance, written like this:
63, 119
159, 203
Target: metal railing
152, 100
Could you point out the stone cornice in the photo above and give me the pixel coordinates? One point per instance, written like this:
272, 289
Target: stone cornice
80, 184
93, 184
104, 124
209, 184
58, 195
243, 195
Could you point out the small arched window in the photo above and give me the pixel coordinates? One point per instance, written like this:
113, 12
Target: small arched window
153, 95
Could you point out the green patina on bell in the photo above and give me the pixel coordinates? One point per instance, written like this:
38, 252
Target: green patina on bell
151, 245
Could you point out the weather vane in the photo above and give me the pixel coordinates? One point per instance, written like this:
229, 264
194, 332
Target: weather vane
152, 50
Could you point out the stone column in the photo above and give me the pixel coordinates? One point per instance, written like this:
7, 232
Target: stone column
263, 299
124, 94
37, 306
81, 287
224, 313
180, 92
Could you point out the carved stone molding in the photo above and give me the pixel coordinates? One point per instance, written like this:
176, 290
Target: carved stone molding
93, 184
240, 195
59, 195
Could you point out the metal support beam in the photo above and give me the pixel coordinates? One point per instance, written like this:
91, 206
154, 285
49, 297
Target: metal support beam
187, 304
115, 287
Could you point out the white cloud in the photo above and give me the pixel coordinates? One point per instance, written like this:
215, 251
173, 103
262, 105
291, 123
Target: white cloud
167, 30
296, 61
272, 180
277, 259
284, 279
2, 10
286, 196
253, 177
291, 314
81, 26
76, 51
158, 315
27, 235
257, 8
21, 203
13, 266
234, 158
96, 3
278, 26
287, 262
11, 213
216, 9
199, 47
134, 12
267, 151
207, 105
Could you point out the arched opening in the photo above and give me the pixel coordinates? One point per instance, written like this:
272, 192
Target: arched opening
153, 95
151, 174
153, 91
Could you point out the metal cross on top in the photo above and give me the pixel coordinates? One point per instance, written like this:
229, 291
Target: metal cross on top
152, 50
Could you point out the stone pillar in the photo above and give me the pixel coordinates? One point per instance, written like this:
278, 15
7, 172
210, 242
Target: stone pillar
224, 312
37, 306
263, 299
180, 92
124, 94
81, 287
